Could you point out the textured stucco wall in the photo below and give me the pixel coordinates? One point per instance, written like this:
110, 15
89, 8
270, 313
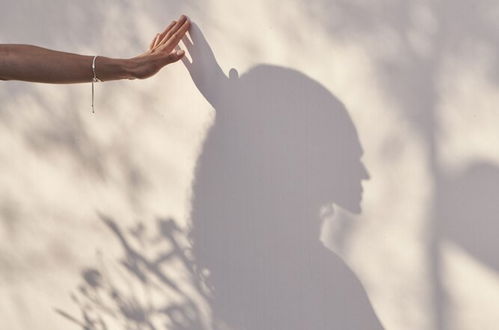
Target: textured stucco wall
99, 213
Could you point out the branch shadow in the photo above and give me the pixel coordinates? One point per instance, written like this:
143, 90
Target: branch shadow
143, 291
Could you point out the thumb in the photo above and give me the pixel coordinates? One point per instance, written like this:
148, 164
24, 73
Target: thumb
175, 55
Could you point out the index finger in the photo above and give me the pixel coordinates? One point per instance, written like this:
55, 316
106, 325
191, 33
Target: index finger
171, 29
177, 35
167, 30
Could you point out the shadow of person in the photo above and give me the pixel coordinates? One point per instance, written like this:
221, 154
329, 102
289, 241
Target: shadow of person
469, 212
281, 147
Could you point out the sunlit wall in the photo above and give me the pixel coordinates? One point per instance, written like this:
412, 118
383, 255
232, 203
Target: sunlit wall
86, 199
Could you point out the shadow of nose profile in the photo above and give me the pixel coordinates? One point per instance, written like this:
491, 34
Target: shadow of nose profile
281, 147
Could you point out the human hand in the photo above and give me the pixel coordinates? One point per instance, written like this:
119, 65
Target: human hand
163, 50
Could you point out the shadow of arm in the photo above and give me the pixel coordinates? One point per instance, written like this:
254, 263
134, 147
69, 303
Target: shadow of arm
204, 69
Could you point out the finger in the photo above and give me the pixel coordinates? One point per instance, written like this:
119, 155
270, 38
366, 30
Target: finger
178, 35
173, 29
156, 41
166, 30
153, 42
175, 56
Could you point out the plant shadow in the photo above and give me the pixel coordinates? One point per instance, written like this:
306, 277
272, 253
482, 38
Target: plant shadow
144, 290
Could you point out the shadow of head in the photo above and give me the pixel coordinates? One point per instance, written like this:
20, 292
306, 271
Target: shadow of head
280, 136
298, 138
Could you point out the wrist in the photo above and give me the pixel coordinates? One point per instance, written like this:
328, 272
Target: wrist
129, 68
113, 69
142, 67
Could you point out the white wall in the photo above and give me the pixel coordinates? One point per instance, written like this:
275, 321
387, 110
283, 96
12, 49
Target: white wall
97, 212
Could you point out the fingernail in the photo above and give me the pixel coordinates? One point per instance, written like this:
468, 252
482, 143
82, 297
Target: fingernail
180, 52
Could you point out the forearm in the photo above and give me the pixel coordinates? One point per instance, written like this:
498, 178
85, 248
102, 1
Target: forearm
36, 64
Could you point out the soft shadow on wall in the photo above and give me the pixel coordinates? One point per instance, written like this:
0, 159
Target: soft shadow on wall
281, 148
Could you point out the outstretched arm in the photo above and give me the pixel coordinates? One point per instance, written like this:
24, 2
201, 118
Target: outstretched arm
36, 64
